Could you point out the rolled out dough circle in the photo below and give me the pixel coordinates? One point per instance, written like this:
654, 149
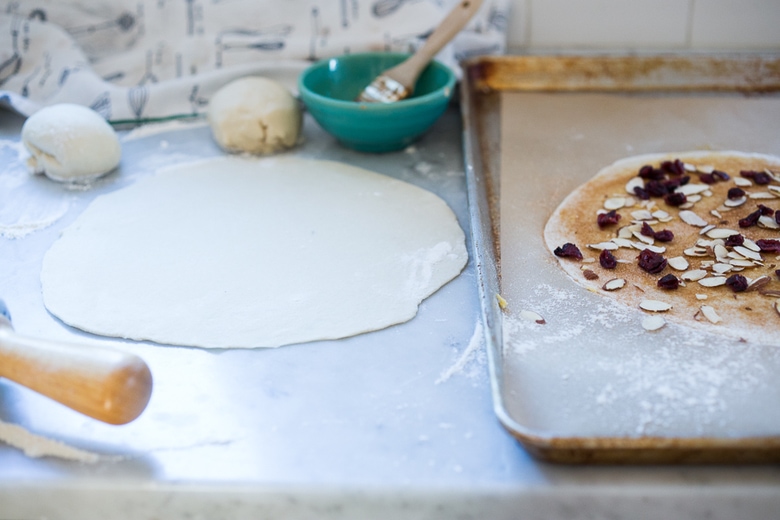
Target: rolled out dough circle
237, 252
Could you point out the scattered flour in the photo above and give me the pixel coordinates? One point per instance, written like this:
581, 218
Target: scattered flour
19, 218
38, 446
628, 381
469, 353
159, 128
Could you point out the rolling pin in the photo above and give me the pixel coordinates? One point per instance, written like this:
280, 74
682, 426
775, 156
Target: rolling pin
105, 384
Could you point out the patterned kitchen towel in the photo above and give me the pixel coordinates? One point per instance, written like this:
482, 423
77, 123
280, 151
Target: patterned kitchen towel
144, 60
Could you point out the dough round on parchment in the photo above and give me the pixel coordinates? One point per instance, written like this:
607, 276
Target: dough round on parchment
699, 228
254, 115
241, 252
70, 143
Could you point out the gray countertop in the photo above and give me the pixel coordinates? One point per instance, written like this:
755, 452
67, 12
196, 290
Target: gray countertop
392, 424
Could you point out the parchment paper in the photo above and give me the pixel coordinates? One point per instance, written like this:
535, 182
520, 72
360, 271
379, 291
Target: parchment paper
592, 370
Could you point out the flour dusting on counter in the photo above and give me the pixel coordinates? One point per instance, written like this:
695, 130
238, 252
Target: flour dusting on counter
18, 217
38, 446
471, 352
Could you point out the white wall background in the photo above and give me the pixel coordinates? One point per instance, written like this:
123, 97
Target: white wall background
644, 25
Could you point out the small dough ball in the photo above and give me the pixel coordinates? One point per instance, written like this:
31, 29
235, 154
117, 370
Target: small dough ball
70, 143
255, 115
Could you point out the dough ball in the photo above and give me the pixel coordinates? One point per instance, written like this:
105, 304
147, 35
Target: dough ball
255, 115
70, 143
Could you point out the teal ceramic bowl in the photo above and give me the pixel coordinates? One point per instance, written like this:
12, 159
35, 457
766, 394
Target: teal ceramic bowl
328, 89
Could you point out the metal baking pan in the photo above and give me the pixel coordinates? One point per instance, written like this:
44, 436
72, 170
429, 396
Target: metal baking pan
589, 385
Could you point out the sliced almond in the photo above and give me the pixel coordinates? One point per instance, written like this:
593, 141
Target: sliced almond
762, 195
765, 221
626, 232
654, 306
710, 314
641, 214
644, 238
614, 284
695, 251
635, 182
614, 203
653, 322
706, 229
742, 182
720, 252
721, 233
609, 246
722, 268
689, 167
701, 296
770, 292
532, 316
735, 203
751, 245
715, 213
692, 188
758, 283
713, 281
705, 168
678, 262
623, 242
742, 262
776, 306
588, 274
774, 189
689, 217
655, 249
693, 275
747, 253
661, 215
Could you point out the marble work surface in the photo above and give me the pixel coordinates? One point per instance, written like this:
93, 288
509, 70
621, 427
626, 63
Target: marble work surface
392, 424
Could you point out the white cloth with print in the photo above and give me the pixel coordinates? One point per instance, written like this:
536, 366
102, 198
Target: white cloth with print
138, 60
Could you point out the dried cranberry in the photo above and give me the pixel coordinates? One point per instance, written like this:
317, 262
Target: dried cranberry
769, 245
669, 281
607, 260
568, 250
641, 193
675, 167
665, 235
650, 173
672, 184
760, 178
765, 210
736, 193
777, 216
723, 176
737, 282
676, 199
647, 230
708, 178
734, 240
651, 262
750, 220
777, 272
608, 218
656, 188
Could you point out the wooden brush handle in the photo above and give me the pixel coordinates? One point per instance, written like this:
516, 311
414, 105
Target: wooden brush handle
407, 72
107, 385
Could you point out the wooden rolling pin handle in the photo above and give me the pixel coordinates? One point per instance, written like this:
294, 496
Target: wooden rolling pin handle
107, 385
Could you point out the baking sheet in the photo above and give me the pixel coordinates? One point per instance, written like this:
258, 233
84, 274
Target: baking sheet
591, 385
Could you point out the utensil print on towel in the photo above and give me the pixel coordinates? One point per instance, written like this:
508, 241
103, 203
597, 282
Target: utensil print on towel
398, 82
